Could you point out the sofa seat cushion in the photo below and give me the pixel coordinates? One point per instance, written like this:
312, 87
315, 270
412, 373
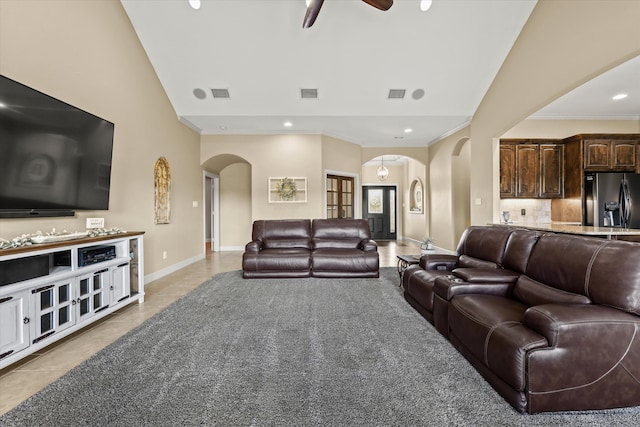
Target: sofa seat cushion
419, 284
344, 260
491, 329
291, 259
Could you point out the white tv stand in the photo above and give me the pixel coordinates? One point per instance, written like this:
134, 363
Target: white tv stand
47, 291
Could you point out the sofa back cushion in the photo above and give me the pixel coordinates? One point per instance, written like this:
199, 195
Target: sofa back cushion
518, 249
483, 246
339, 233
285, 233
606, 271
614, 279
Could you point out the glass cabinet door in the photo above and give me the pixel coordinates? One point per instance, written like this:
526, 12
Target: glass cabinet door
93, 293
53, 309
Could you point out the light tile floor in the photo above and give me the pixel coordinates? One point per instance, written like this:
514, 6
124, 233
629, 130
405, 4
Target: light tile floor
26, 377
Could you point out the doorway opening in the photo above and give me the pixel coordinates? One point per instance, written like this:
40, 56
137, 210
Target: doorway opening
211, 212
379, 208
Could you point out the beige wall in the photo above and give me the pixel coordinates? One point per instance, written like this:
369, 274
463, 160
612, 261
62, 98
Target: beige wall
235, 206
268, 156
444, 161
86, 53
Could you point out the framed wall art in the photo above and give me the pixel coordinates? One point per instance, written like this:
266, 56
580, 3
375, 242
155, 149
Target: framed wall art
288, 189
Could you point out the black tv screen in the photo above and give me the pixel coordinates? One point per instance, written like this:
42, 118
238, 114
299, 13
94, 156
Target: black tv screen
54, 157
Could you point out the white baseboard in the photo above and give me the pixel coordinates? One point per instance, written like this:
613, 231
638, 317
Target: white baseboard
171, 269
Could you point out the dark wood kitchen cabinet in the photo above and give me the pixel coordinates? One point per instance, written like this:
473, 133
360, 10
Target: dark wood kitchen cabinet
507, 171
531, 169
605, 155
528, 171
551, 171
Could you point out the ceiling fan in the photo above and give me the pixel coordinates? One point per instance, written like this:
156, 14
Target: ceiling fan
314, 8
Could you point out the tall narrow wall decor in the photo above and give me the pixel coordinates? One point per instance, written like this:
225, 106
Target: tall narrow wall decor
162, 181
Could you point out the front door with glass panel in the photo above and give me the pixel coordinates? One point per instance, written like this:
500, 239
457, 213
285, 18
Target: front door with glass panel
379, 208
340, 196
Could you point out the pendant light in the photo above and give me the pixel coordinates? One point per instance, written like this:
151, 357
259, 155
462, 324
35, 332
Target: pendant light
382, 171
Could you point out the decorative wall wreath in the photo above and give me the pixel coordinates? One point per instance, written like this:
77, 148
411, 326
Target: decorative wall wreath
286, 188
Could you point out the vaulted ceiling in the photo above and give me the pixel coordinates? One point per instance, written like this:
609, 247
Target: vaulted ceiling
374, 73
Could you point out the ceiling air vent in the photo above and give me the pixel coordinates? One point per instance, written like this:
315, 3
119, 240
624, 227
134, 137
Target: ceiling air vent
220, 93
309, 93
396, 93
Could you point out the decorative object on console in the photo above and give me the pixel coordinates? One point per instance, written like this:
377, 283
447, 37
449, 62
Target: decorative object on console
56, 236
162, 181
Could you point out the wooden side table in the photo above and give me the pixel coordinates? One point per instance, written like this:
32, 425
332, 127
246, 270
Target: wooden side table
405, 261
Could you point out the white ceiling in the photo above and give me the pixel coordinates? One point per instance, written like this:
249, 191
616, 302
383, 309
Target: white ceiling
353, 55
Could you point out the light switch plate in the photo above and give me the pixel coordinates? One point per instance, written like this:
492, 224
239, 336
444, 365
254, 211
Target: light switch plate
95, 222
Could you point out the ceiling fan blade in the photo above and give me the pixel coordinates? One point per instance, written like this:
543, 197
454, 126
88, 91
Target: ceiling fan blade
312, 13
380, 4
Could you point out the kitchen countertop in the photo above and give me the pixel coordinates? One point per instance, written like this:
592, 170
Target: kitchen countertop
573, 228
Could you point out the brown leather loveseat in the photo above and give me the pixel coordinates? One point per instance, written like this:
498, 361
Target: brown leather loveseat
554, 325
304, 248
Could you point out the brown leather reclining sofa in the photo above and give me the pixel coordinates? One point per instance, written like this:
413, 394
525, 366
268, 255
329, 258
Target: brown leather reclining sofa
551, 321
305, 248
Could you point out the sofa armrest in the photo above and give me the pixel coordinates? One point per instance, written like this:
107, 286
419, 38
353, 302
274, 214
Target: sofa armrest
446, 287
486, 275
440, 262
561, 321
369, 245
591, 361
253, 246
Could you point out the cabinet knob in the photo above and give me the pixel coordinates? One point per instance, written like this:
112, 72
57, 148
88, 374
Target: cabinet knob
26, 320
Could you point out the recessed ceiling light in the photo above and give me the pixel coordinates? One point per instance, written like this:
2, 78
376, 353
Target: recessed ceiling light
408, 130
619, 96
195, 4
425, 5
288, 124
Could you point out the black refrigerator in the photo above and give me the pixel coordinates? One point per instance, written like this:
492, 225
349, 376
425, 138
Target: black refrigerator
611, 199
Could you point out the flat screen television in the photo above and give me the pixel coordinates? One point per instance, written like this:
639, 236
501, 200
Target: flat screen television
54, 158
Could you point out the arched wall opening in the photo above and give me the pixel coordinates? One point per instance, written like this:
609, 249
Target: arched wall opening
234, 200
408, 174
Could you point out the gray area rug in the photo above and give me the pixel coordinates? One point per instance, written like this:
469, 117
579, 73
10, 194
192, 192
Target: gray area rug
293, 352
